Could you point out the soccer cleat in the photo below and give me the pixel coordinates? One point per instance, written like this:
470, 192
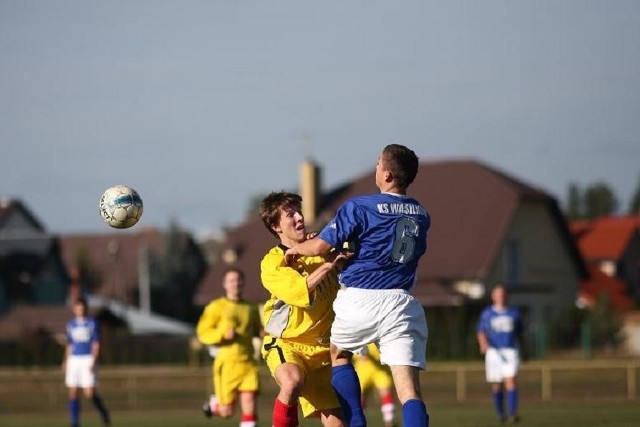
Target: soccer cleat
206, 410
513, 419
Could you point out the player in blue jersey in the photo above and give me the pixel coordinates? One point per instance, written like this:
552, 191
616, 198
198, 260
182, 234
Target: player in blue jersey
81, 360
388, 235
500, 338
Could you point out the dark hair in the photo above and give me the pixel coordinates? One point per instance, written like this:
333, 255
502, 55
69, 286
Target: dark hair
82, 301
402, 162
233, 270
270, 207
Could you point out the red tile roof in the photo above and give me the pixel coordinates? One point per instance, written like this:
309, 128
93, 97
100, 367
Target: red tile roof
605, 238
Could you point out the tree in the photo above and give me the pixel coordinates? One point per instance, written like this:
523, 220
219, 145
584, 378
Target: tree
88, 276
599, 200
574, 202
175, 274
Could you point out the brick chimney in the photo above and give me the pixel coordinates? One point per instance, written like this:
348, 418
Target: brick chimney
310, 190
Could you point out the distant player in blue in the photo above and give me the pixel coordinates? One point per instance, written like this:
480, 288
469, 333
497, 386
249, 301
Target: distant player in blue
500, 337
388, 234
81, 360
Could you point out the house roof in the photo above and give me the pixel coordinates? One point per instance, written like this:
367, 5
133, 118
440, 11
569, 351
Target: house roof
114, 257
10, 207
140, 322
20, 231
471, 206
605, 238
23, 320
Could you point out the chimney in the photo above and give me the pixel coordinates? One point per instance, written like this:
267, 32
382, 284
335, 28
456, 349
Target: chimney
309, 190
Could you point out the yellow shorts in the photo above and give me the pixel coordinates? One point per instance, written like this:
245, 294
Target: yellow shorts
314, 361
231, 377
372, 374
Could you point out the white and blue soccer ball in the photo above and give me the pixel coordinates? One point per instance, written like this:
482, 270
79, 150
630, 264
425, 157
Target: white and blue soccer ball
120, 206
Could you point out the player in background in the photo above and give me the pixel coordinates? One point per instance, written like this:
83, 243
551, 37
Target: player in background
389, 233
374, 375
80, 361
229, 324
500, 337
298, 318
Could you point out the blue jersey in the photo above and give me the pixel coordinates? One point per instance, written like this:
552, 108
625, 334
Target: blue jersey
501, 327
389, 232
81, 334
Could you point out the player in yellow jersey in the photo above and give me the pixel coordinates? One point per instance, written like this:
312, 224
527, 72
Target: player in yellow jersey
230, 323
298, 318
373, 374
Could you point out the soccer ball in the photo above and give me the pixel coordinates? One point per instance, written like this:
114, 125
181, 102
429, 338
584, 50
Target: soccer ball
120, 206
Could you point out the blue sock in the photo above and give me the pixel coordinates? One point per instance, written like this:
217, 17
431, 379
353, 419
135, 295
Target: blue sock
414, 413
99, 404
498, 401
347, 386
74, 411
512, 402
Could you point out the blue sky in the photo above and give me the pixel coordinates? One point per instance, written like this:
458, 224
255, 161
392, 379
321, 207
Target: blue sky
201, 105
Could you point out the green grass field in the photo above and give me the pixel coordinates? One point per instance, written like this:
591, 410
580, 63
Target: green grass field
580, 394
611, 414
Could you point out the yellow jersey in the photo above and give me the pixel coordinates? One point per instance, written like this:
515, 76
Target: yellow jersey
220, 315
292, 313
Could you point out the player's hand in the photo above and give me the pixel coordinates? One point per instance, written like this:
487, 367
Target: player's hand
340, 259
311, 235
483, 348
290, 256
230, 334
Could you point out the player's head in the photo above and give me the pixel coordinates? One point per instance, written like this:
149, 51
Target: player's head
281, 214
499, 295
397, 164
80, 307
233, 283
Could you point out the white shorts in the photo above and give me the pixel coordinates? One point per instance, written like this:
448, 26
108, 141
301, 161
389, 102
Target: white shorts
500, 364
393, 319
79, 372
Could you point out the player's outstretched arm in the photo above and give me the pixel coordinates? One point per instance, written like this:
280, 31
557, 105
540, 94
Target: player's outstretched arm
311, 247
316, 277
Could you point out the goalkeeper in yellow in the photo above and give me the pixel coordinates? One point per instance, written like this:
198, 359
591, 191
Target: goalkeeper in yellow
230, 323
298, 318
373, 374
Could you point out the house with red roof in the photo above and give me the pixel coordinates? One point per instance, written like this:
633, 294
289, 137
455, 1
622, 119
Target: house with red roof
487, 227
611, 247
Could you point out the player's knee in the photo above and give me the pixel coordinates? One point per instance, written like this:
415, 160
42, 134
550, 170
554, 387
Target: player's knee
290, 388
225, 411
290, 379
